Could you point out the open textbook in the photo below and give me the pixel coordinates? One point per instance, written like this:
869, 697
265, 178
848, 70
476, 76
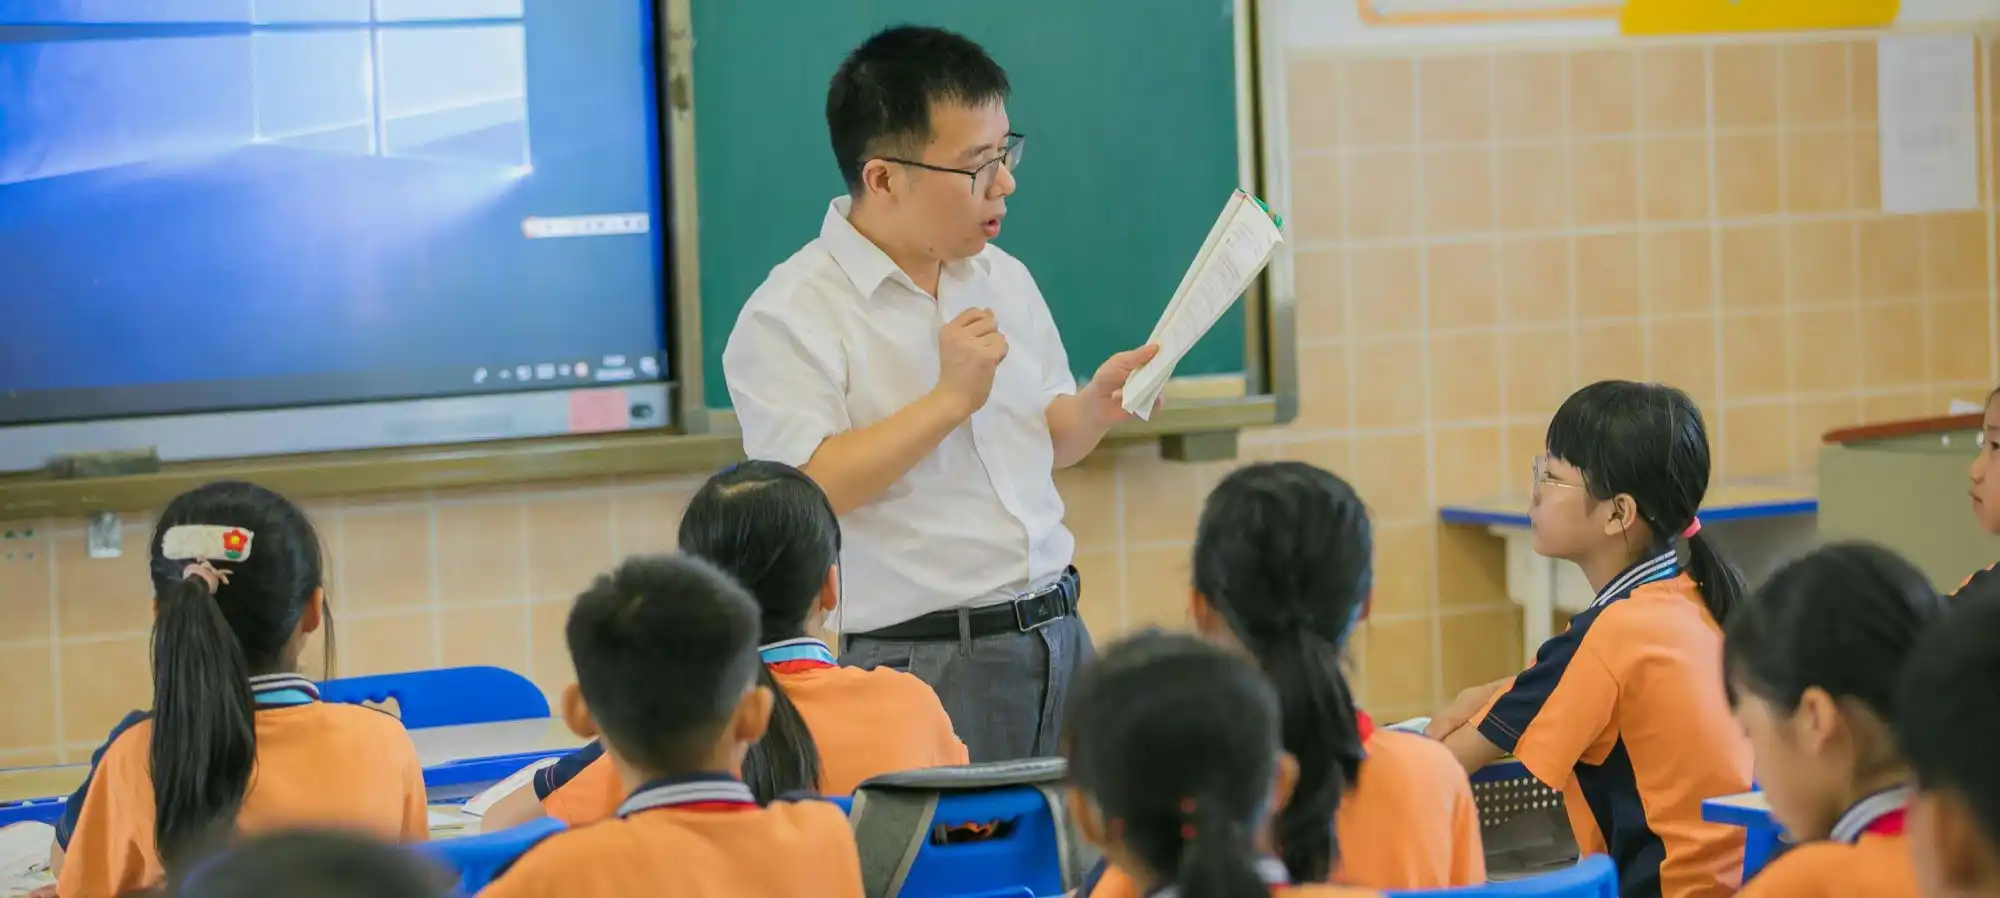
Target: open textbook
1236, 251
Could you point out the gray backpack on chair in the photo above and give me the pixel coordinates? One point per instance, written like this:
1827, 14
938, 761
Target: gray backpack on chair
894, 818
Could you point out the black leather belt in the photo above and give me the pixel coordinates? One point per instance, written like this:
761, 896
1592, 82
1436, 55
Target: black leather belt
1023, 615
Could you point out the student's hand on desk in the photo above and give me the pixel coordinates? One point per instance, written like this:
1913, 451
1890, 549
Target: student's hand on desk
48, 891
1460, 711
1104, 396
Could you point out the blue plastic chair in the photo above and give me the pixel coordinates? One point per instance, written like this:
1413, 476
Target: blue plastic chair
1020, 859
478, 860
1592, 877
36, 810
448, 697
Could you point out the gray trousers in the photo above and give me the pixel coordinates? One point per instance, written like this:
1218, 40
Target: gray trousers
1005, 692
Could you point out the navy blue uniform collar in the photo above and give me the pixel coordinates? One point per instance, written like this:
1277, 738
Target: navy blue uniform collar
1650, 570
687, 789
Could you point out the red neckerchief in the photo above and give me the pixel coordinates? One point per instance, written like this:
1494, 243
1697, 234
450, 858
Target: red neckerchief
800, 666
1365, 724
1890, 824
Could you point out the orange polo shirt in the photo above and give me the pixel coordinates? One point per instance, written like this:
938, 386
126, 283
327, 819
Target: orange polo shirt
1625, 712
317, 765
865, 723
1865, 855
1409, 823
698, 836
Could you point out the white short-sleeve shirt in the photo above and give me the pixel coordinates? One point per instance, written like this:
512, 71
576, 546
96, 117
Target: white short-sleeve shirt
838, 338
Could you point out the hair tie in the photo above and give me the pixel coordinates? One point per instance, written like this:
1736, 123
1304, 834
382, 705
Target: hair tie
208, 573
1187, 821
1693, 527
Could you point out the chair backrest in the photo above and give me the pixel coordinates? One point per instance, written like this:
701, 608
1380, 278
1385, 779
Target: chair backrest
1592, 877
447, 697
478, 860
956, 831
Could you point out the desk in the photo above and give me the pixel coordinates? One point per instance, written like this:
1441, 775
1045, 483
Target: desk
1749, 810
437, 747
1757, 525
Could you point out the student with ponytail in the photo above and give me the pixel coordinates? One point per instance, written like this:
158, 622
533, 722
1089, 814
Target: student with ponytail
1282, 570
1813, 666
771, 528
1624, 711
1177, 767
237, 579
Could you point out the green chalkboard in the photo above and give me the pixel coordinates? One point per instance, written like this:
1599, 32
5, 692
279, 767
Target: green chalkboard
1130, 111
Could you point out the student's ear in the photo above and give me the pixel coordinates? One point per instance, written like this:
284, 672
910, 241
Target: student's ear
753, 715
1089, 822
315, 611
829, 592
576, 714
1287, 779
1202, 613
1816, 722
1624, 514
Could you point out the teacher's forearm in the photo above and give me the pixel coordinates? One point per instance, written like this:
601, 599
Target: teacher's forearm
855, 467
1074, 431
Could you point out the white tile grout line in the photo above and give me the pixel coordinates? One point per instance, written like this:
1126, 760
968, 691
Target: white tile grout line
1550, 143
1572, 248
1507, 462
527, 584
1982, 92
1717, 427
1854, 176
1428, 381
1786, 273
1711, 221
1118, 470
1640, 256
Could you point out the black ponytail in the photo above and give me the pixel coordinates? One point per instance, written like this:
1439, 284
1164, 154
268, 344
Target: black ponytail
204, 740
208, 641
770, 527
786, 760
1283, 554
1219, 859
1176, 744
1648, 441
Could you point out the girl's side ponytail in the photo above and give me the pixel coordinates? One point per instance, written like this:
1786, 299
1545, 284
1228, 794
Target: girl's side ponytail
1721, 584
1321, 731
1218, 859
204, 736
786, 760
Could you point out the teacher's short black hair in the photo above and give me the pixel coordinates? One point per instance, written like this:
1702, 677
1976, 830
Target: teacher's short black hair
1948, 714
882, 94
665, 646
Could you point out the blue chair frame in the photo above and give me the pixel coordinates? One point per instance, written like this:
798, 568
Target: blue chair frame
480, 859
1593, 877
452, 696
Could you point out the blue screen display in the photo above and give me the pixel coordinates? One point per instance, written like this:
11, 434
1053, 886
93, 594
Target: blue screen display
211, 204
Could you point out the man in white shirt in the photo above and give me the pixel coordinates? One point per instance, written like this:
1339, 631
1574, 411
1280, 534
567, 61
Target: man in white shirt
913, 370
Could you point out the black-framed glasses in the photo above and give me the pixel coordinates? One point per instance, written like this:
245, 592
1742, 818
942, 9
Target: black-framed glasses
982, 177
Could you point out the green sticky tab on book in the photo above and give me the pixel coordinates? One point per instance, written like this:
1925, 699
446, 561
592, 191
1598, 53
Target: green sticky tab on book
1276, 219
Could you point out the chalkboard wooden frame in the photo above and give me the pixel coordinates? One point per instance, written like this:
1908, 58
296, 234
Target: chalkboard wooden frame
1266, 391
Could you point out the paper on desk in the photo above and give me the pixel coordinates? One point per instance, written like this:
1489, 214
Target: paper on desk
24, 857
479, 804
1241, 243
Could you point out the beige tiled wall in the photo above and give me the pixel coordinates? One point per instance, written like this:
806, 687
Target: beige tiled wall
1477, 234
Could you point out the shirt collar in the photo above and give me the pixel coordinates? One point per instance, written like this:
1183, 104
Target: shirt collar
804, 648
1865, 814
1270, 869
710, 791
282, 690
866, 265
1659, 567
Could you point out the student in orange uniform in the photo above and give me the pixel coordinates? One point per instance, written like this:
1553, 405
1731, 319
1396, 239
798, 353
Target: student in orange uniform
1282, 570
1947, 722
236, 580
770, 527
1985, 475
1625, 710
1177, 767
667, 677
1813, 665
